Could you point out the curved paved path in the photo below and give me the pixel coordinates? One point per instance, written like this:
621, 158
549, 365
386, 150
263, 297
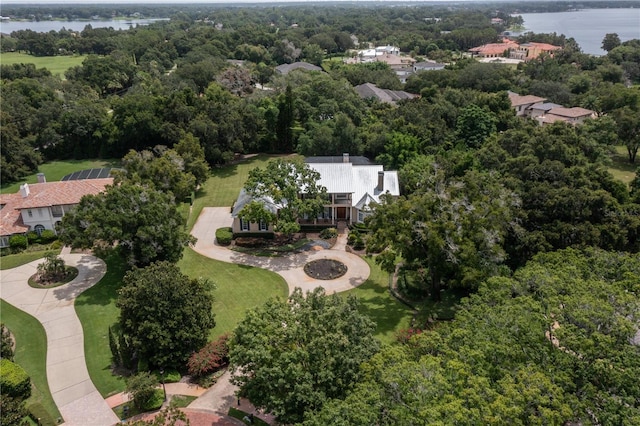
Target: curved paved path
77, 398
289, 267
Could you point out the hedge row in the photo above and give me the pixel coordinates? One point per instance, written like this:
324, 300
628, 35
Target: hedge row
14, 381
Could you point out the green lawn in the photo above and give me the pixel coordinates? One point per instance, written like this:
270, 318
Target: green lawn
31, 353
97, 310
222, 188
56, 64
620, 167
238, 287
376, 301
15, 260
56, 170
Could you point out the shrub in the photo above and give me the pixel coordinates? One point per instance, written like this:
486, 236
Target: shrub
405, 335
224, 236
359, 243
47, 236
52, 269
142, 389
6, 343
329, 233
170, 376
56, 245
18, 242
210, 358
32, 237
14, 381
351, 239
13, 410
250, 242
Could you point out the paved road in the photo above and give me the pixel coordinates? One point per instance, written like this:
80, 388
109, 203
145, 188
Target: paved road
78, 400
289, 267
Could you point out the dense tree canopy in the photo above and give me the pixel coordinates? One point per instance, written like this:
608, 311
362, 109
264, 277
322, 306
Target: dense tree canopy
550, 345
164, 315
290, 356
142, 224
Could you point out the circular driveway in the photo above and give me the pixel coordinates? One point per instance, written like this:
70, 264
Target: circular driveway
290, 267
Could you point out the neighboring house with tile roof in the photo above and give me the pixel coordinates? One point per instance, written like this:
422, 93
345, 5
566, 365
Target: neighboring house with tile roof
287, 68
352, 189
42, 205
575, 115
493, 50
370, 90
521, 104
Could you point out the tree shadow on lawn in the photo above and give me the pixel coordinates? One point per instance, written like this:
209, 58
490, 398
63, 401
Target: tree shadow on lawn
225, 171
105, 291
388, 315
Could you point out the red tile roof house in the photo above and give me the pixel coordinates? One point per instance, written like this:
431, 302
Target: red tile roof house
41, 206
493, 50
575, 115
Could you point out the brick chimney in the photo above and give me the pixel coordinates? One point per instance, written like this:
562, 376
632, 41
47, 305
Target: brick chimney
41, 178
380, 181
24, 190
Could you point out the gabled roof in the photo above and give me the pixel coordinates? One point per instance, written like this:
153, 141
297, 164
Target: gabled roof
60, 193
44, 195
356, 160
544, 106
517, 100
574, 112
428, 65
287, 68
370, 90
336, 177
245, 198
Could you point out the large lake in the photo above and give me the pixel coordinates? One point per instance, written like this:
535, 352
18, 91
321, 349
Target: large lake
46, 26
588, 27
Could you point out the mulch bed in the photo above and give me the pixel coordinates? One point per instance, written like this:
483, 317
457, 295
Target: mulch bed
325, 269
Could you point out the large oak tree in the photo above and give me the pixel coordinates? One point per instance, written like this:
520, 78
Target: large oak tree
290, 356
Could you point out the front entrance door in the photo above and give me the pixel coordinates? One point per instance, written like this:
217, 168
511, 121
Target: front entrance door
341, 213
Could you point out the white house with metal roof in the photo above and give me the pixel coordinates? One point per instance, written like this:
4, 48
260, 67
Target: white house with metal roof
352, 190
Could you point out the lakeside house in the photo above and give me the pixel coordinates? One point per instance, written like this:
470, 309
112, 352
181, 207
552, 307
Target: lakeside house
510, 49
354, 184
39, 206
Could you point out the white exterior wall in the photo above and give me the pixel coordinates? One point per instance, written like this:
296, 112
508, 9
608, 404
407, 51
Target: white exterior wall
39, 216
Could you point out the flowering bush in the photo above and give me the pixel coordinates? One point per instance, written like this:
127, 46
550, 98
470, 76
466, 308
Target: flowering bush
406, 334
212, 357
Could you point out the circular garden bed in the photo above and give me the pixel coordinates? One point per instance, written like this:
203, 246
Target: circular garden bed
325, 269
69, 275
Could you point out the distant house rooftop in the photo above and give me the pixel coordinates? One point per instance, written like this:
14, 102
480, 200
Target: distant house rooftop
356, 160
370, 90
574, 112
517, 100
287, 68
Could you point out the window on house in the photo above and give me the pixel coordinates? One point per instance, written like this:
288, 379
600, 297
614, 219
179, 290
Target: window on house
244, 225
30, 213
56, 211
4, 241
262, 225
341, 196
39, 229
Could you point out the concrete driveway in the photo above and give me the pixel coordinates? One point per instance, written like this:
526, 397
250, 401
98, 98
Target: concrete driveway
72, 390
289, 267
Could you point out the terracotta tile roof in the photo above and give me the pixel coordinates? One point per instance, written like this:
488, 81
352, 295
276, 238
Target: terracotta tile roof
542, 46
44, 195
58, 193
517, 100
574, 112
494, 48
10, 218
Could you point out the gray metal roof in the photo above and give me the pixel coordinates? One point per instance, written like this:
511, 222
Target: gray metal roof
245, 198
287, 68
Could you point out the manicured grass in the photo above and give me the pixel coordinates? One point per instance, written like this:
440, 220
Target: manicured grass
19, 259
238, 288
181, 401
620, 166
30, 354
96, 309
240, 415
56, 64
222, 188
376, 301
56, 170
